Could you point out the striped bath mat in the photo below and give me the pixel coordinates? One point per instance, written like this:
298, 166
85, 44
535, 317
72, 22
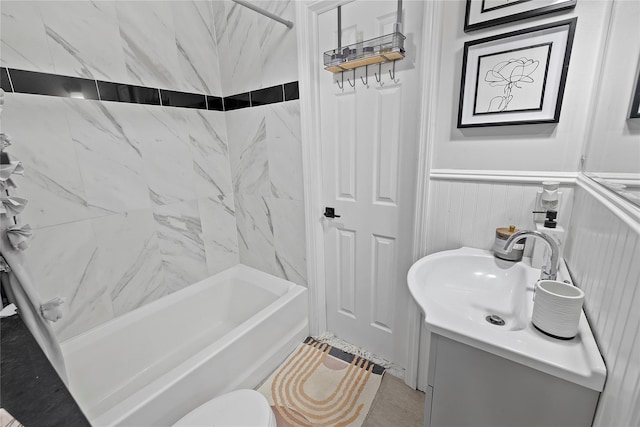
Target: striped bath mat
319, 385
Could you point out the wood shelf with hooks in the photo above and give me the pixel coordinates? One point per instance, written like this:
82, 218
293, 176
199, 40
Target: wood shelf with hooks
382, 49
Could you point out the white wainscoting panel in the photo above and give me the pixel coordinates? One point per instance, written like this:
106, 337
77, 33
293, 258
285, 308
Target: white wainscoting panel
466, 212
603, 254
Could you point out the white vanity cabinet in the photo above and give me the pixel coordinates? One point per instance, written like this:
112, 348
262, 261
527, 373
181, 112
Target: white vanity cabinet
488, 365
472, 387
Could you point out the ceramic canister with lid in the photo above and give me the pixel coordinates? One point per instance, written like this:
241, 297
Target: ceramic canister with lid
502, 234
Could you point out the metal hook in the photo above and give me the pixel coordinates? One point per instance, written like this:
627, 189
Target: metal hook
378, 75
354, 79
341, 85
366, 74
393, 76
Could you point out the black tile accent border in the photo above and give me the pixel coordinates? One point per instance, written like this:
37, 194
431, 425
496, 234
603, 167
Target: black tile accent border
52, 84
235, 102
291, 91
119, 92
6, 83
215, 103
267, 95
22, 81
172, 98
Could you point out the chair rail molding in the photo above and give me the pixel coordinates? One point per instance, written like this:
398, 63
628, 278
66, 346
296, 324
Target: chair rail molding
623, 209
522, 177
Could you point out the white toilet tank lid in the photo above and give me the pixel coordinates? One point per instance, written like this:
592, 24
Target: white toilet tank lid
240, 408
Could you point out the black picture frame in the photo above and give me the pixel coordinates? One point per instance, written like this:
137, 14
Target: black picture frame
478, 15
635, 103
515, 78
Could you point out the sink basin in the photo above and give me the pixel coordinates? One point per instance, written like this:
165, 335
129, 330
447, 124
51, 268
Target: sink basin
468, 285
457, 290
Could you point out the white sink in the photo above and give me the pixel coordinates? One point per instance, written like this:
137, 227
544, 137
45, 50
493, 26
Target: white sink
456, 290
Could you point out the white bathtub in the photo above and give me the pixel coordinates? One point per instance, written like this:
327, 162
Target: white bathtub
151, 366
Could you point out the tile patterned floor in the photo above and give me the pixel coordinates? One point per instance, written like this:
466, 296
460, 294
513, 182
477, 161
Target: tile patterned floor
396, 405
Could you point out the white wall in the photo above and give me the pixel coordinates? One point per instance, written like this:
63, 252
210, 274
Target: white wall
602, 251
467, 213
603, 254
544, 147
614, 140
532, 152
489, 156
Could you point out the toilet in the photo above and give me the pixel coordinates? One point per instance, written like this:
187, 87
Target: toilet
240, 408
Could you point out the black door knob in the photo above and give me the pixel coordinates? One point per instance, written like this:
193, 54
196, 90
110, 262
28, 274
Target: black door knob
330, 213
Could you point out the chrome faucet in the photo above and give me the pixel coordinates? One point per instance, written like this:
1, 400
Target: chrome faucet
549, 272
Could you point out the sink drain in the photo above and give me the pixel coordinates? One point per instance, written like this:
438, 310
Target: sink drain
494, 319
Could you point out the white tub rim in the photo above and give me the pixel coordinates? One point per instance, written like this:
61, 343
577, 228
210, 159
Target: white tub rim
117, 323
123, 409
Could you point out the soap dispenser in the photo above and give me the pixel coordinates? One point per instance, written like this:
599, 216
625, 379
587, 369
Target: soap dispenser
548, 198
551, 228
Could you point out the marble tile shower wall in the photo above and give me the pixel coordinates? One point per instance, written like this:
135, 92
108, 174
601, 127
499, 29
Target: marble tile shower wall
163, 44
133, 202
264, 142
255, 51
266, 166
128, 202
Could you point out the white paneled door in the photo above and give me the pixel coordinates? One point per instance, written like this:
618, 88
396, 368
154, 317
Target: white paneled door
368, 174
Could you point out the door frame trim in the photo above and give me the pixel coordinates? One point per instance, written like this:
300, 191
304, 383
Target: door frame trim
429, 85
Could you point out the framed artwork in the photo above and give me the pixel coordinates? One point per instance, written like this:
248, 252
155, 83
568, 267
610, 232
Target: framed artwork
635, 104
516, 78
487, 13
